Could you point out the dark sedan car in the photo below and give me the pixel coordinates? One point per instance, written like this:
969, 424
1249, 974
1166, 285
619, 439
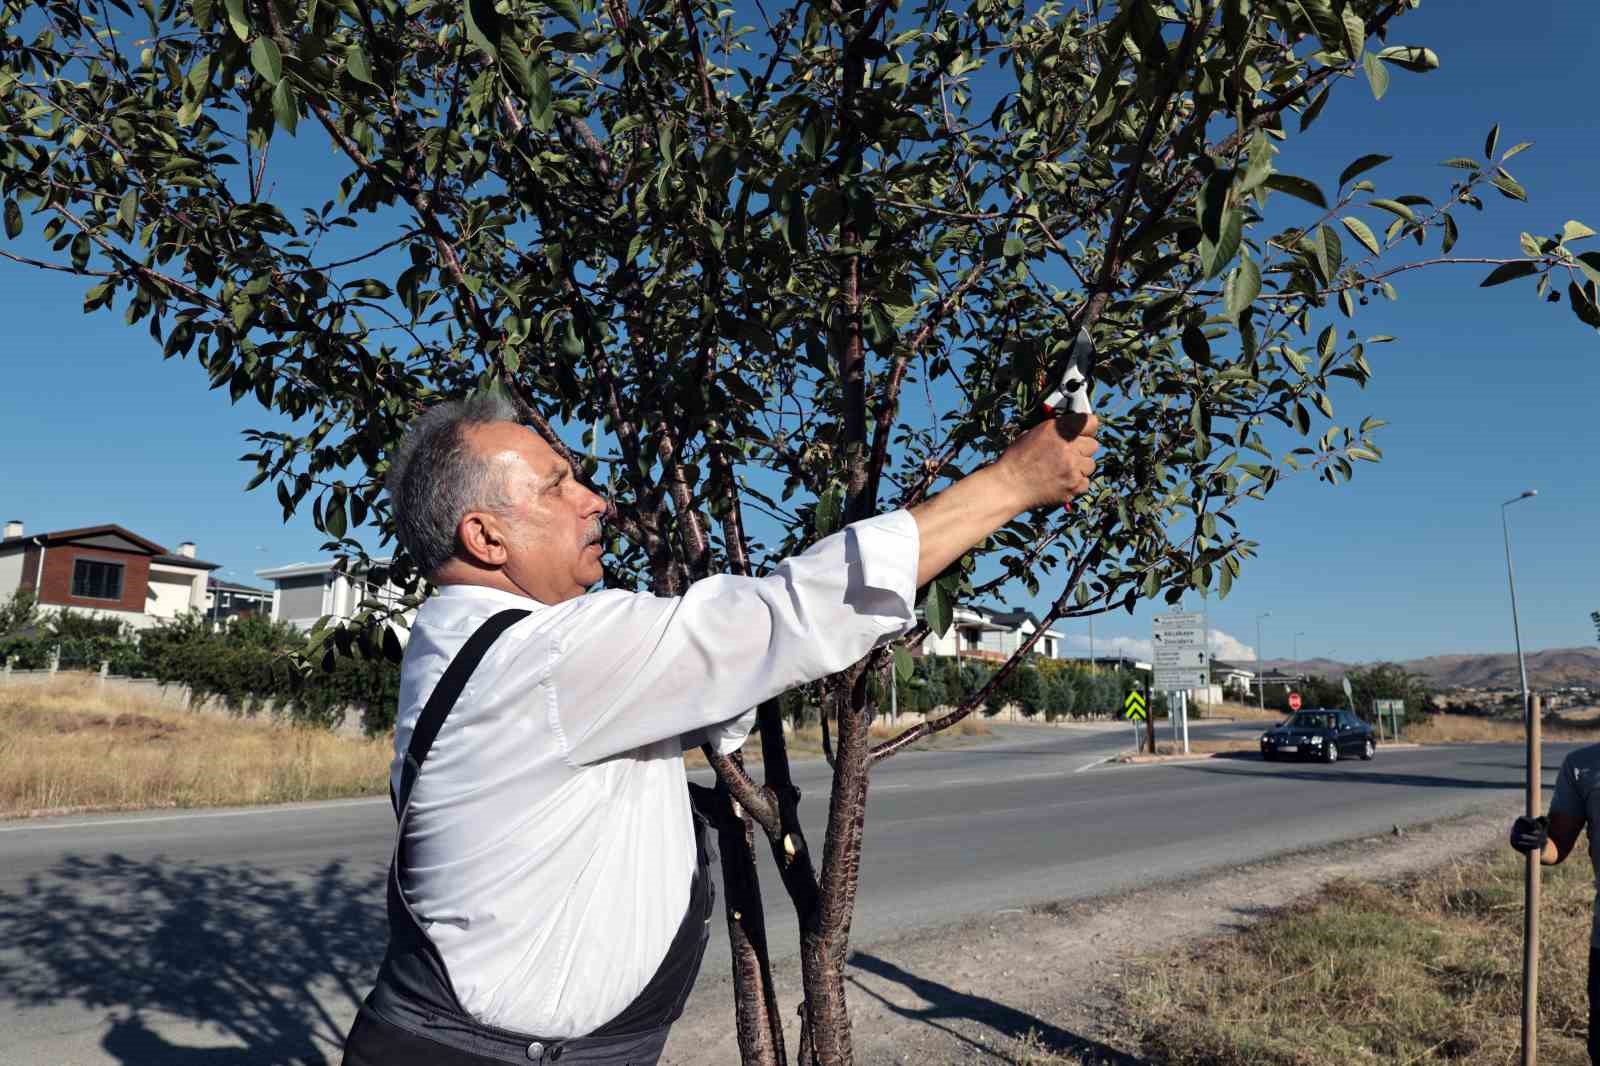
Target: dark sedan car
1319, 734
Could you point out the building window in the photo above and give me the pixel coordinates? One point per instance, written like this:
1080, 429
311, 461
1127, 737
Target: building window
96, 580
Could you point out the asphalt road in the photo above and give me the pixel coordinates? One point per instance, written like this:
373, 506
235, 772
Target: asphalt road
247, 938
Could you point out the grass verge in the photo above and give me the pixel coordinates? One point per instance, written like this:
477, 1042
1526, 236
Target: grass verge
65, 747
1423, 970
1445, 728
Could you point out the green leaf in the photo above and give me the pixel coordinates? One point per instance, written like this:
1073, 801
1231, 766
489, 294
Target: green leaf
1261, 153
1309, 115
128, 209
1394, 207
266, 58
1300, 188
1215, 257
1361, 166
1355, 33
1451, 234
1210, 203
1244, 285
830, 506
1505, 272
285, 107
237, 19
357, 65
1575, 231
1589, 263
1521, 146
1508, 186
1582, 306
1411, 57
1490, 141
1361, 232
333, 516
936, 609
13, 219
904, 667
483, 25
1377, 75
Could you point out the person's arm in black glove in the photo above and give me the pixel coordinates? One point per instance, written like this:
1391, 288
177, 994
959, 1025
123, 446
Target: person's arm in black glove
1552, 838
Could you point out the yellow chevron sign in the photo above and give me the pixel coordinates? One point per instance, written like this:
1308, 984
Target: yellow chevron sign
1134, 707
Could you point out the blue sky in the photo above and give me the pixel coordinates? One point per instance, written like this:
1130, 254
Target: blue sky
1487, 392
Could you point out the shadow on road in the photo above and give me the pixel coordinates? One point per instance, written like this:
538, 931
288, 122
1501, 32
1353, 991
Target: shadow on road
1337, 773
256, 959
947, 1004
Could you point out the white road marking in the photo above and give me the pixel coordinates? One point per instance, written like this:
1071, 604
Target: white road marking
136, 820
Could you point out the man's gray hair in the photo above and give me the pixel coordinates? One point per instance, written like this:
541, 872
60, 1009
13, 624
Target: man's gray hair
437, 477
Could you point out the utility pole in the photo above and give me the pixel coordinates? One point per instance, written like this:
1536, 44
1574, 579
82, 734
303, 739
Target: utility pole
1261, 678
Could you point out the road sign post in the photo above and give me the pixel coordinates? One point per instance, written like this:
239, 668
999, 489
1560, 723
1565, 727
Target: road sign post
1180, 661
1136, 708
1150, 729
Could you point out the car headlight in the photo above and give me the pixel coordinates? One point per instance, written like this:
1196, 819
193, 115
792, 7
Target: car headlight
1316, 740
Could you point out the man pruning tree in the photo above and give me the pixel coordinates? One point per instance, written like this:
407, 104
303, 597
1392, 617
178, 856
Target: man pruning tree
1574, 808
549, 897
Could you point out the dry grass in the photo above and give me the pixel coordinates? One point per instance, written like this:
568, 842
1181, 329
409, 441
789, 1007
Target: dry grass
1444, 728
64, 747
806, 741
1244, 711
1427, 970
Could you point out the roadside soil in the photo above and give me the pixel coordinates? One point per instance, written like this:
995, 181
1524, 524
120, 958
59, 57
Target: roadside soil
1041, 987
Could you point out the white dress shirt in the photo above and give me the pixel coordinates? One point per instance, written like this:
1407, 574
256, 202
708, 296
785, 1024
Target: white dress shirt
550, 839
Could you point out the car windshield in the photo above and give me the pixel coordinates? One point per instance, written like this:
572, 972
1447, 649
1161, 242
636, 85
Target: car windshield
1312, 721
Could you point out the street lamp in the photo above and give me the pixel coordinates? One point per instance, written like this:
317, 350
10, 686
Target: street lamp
1516, 628
1261, 678
1530, 881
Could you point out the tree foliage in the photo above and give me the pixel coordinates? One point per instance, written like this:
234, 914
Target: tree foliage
777, 277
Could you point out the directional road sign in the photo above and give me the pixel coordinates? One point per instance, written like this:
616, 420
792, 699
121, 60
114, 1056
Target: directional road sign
1180, 659
1134, 706
1181, 629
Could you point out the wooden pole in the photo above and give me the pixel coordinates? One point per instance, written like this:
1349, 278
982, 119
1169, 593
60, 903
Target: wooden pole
1530, 916
1150, 721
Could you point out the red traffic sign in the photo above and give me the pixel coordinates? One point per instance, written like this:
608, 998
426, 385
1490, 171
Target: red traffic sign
1294, 701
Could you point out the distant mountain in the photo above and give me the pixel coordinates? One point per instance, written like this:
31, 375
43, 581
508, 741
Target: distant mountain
1546, 669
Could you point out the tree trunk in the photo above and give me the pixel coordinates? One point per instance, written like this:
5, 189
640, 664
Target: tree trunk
755, 1002
825, 937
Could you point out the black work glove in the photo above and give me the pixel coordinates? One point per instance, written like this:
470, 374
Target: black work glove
1529, 834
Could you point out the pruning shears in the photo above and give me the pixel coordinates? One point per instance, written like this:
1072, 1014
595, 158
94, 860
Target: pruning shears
1071, 394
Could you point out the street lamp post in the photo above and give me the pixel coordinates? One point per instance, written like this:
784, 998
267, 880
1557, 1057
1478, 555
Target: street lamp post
1297, 637
1530, 917
1516, 626
1261, 678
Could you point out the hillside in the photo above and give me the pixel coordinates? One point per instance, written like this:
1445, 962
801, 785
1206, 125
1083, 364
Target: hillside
1546, 669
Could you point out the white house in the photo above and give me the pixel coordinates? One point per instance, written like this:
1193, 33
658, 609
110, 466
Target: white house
987, 634
302, 593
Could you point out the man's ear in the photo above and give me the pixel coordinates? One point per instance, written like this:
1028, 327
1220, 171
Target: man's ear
482, 536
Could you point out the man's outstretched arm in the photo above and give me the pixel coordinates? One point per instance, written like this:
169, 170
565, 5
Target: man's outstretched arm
1047, 466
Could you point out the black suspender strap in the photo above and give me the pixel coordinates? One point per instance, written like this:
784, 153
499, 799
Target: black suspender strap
444, 697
